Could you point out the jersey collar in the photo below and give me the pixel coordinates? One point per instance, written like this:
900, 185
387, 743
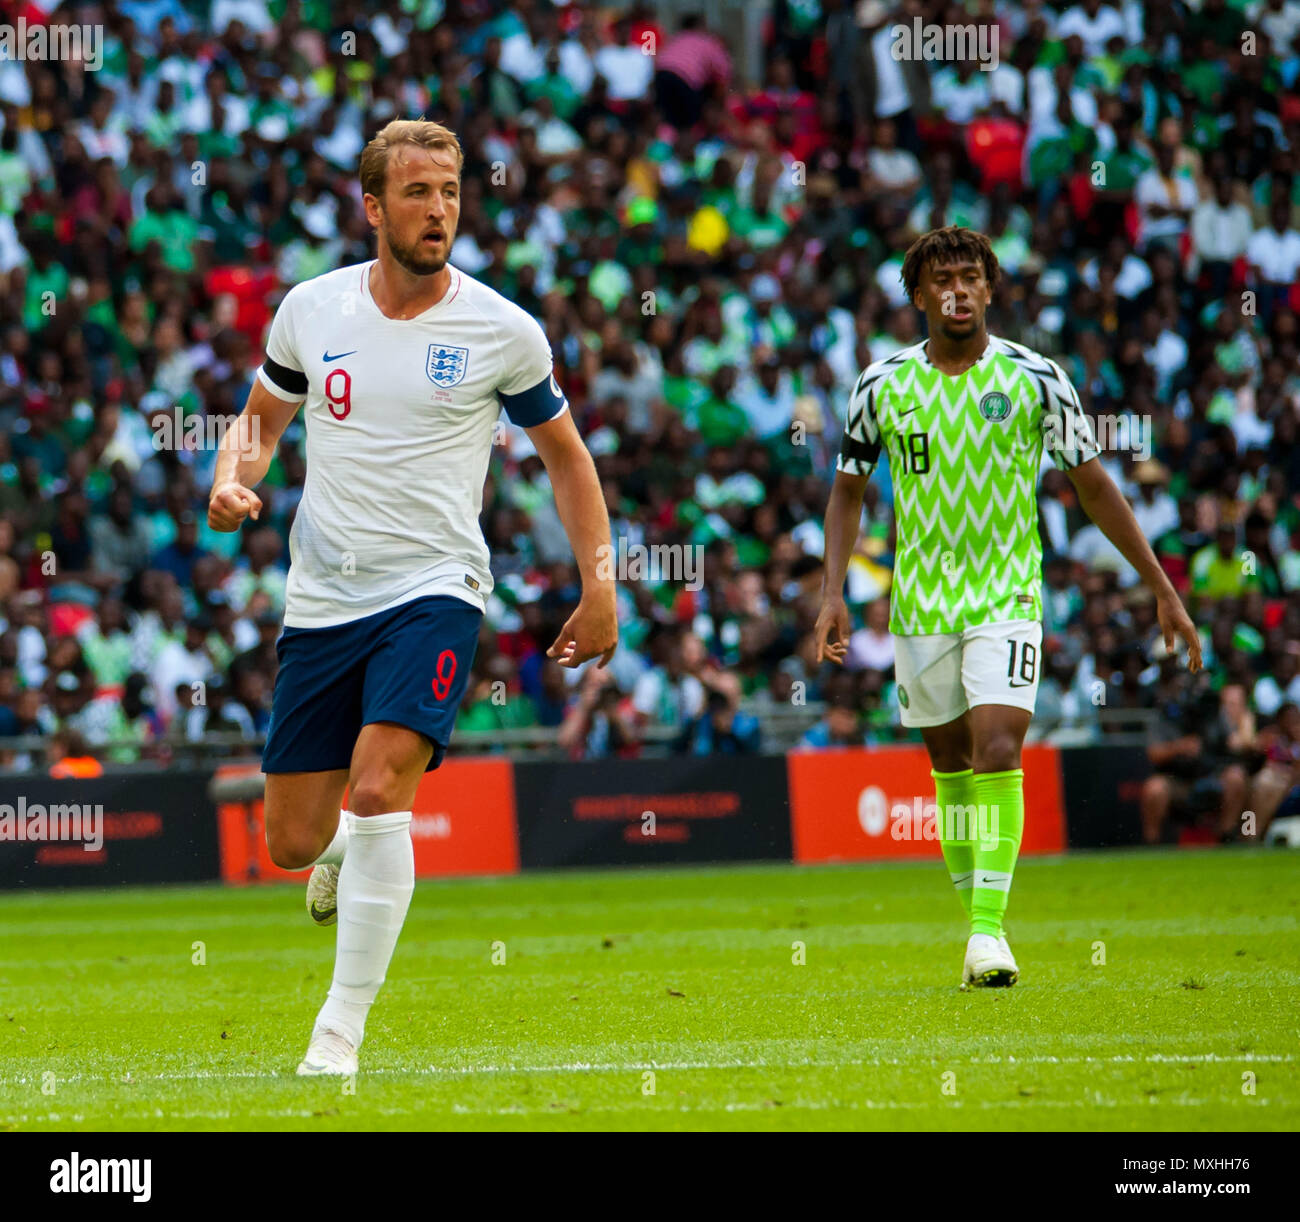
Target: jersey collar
453, 290
989, 349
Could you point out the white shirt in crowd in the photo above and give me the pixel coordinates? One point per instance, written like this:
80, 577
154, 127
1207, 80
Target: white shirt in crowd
1220, 234
109, 141
1276, 255
175, 664
961, 101
1166, 356
892, 97
1270, 695
522, 58
1159, 516
576, 66
769, 415
1279, 19
1096, 31
668, 701
1042, 94
1153, 188
629, 71
870, 650
255, 14
894, 167
1134, 276
198, 115
1092, 549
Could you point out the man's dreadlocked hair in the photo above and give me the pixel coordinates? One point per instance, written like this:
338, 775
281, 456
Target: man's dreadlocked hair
952, 244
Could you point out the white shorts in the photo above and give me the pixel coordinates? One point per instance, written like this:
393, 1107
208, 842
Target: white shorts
943, 675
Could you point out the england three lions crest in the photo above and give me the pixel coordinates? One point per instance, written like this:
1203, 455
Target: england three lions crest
446, 365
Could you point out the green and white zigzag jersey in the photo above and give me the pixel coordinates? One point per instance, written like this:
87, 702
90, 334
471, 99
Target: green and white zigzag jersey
965, 453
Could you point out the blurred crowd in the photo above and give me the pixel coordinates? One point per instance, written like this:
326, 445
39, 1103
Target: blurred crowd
711, 235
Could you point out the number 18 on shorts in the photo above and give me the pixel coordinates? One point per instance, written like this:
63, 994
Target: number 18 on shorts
943, 675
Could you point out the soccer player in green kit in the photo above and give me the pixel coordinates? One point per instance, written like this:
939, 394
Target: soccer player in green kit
964, 419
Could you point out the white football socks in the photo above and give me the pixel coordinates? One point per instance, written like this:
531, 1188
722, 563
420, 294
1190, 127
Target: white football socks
375, 885
333, 855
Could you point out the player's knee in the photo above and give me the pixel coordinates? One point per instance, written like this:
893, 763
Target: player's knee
377, 793
949, 747
1000, 753
945, 758
292, 848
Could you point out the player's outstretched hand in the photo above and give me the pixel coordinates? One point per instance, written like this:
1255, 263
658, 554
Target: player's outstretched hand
1174, 623
590, 631
832, 620
230, 504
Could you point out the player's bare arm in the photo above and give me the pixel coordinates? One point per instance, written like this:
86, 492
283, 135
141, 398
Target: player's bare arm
1105, 505
843, 516
592, 630
244, 458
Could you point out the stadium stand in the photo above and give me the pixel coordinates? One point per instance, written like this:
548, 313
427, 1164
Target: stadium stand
713, 259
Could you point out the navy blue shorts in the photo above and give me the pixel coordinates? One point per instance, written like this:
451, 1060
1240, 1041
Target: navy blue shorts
409, 665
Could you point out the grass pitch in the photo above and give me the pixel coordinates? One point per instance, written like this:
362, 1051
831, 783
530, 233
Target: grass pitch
1157, 992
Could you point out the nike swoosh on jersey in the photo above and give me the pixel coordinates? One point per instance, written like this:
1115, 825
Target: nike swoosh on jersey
338, 356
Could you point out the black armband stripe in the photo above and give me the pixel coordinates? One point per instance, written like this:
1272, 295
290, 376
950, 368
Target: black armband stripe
291, 381
861, 451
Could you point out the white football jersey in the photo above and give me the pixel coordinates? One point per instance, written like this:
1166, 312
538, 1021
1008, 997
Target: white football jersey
400, 418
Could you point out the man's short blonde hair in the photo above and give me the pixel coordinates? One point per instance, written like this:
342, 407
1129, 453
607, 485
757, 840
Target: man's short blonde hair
423, 133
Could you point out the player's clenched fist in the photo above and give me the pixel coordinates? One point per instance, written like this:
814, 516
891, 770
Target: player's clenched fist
230, 504
591, 631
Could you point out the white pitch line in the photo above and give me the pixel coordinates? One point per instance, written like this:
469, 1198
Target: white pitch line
453, 1071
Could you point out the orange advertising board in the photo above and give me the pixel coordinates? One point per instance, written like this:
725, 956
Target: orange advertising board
861, 804
462, 822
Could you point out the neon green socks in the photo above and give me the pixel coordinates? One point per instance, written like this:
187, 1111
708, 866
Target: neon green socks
1000, 797
955, 791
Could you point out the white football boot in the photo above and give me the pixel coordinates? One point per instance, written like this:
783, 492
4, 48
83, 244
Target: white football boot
323, 895
989, 963
328, 1053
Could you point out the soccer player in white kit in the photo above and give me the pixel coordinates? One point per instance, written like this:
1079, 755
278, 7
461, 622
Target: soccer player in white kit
404, 364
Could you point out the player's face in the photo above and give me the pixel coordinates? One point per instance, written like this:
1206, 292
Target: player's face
420, 208
954, 297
